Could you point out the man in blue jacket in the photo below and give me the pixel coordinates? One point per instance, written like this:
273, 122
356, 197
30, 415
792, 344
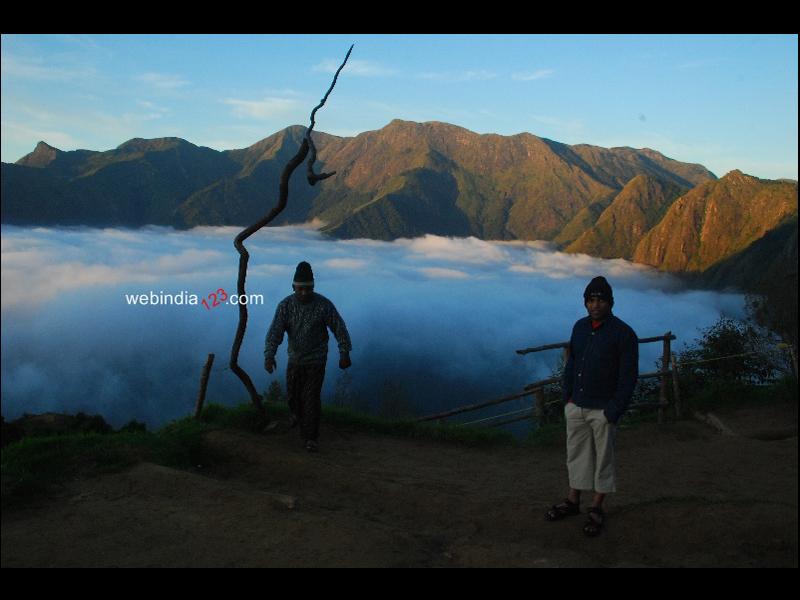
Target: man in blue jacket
599, 377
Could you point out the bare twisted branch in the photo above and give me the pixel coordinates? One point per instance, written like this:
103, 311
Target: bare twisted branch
312, 177
244, 256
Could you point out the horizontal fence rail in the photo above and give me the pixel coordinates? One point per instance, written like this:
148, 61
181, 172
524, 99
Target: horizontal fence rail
516, 414
667, 336
536, 389
471, 407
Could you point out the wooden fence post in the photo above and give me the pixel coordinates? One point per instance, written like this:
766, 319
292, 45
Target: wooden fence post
203, 384
662, 392
538, 410
675, 389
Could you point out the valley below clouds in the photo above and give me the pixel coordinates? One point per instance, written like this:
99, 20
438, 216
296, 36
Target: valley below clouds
436, 320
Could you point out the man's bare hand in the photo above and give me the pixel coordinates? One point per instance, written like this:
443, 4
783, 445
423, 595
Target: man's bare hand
344, 361
269, 364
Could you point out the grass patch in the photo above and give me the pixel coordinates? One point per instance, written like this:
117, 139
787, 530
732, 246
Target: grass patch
548, 435
40, 464
404, 428
34, 465
243, 416
407, 428
553, 435
638, 417
721, 395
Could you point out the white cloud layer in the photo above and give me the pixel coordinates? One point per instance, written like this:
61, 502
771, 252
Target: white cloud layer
361, 68
36, 69
163, 81
459, 76
267, 108
532, 75
440, 317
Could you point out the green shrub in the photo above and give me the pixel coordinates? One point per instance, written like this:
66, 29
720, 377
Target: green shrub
751, 369
744, 354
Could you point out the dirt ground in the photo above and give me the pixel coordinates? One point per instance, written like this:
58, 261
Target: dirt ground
688, 496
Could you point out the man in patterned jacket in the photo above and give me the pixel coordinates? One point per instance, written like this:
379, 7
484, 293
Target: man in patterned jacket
306, 317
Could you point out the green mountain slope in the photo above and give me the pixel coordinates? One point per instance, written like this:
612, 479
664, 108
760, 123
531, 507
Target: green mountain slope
635, 210
501, 187
141, 182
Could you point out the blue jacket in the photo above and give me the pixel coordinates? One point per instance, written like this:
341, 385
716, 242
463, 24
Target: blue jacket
602, 366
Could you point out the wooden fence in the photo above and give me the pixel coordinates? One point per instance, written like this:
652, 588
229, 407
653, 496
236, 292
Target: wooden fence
538, 410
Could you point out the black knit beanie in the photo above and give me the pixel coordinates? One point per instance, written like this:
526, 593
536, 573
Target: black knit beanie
599, 288
303, 275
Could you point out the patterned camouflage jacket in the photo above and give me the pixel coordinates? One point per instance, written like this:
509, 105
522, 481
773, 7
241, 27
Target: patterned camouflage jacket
307, 326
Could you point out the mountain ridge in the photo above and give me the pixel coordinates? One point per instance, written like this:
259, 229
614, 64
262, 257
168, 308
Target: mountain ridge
409, 179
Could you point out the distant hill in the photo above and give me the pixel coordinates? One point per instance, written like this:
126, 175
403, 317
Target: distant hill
716, 220
405, 179
140, 182
634, 211
408, 179
500, 187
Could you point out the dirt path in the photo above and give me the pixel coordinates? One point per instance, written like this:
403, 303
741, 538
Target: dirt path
688, 497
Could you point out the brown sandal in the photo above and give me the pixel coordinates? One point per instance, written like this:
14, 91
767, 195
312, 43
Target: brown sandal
594, 526
560, 511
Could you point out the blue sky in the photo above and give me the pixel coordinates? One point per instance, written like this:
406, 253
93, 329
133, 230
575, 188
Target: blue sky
725, 101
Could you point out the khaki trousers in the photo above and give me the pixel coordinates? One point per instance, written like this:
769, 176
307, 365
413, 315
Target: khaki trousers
590, 449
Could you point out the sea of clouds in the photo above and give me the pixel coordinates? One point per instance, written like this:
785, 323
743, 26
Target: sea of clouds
434, 321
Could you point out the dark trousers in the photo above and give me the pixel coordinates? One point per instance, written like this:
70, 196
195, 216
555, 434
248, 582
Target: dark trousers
303, 386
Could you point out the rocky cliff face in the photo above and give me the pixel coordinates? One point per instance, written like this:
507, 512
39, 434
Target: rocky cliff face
716, 220
42, 155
